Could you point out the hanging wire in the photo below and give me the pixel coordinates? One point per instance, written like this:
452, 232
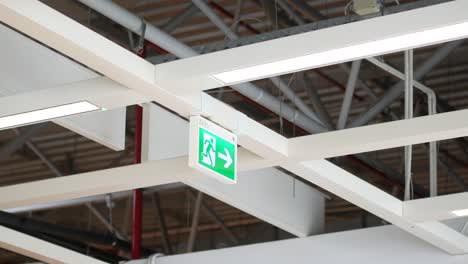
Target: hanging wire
246, 19
293, 77
276, 15
89, 229
281, 94
348, 7
110, 206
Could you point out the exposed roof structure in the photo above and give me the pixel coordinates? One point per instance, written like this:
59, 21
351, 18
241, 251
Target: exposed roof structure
38, 61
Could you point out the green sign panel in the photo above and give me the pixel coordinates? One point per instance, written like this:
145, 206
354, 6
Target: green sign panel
216, 154
213, 150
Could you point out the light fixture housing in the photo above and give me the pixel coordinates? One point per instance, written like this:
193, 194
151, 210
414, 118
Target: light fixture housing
462, 212
46, 114
411, 29
329, 57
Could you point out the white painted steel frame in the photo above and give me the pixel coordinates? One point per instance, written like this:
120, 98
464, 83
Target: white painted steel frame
63, 34
363, 39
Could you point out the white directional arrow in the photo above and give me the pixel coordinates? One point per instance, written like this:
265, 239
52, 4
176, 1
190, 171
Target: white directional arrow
226, 157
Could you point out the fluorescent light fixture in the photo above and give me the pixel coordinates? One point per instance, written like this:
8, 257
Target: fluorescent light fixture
46, 114
353, 52
463, 212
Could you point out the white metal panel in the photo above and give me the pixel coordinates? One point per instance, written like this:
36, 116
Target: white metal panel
165, 135
273, 196
105, 127
383, 245
268, 194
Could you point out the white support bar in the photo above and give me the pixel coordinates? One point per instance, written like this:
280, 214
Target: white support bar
39, 249
94, 183
124, 178
380, 136
436, 208
370, 198
295, 53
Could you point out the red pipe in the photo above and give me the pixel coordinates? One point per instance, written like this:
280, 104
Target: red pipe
137, 194
137, 209
137, 223
154, 47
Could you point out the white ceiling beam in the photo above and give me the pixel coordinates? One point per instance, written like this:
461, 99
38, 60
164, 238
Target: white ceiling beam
380, 136
365, 38
344, 184
118, 179
436, 208
94, 183
39, 249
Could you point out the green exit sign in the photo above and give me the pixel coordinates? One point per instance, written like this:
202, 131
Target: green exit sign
213, 150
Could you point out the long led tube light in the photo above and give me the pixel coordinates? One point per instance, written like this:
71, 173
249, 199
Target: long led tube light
46, 114
463, 212
358, 51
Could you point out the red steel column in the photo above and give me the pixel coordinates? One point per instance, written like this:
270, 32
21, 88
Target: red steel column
137, 210
137, 194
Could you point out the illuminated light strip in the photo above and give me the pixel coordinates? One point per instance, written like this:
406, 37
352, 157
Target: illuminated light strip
46, 114
358, 51
463, 212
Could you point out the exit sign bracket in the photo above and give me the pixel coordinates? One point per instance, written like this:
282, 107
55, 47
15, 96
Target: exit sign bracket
213, 150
